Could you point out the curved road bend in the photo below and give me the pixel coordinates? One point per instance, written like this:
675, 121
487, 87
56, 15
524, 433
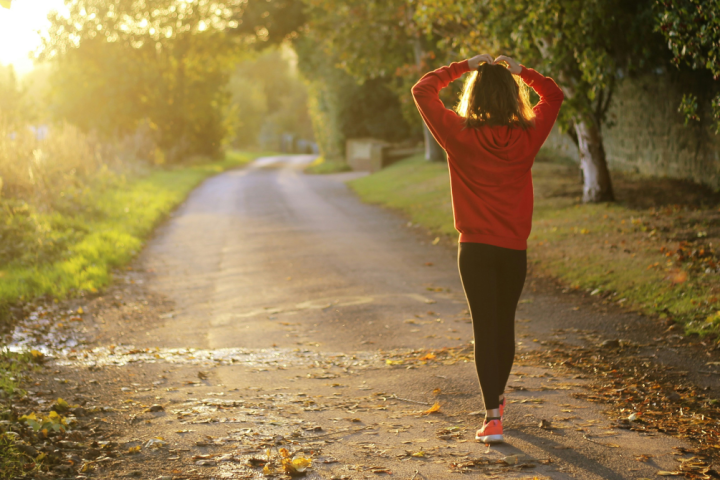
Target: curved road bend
257, 247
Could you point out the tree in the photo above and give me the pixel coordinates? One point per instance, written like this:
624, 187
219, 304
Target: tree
267, 99
342, 108
344, 101
124, 63
373, 39
692, 31
585, 45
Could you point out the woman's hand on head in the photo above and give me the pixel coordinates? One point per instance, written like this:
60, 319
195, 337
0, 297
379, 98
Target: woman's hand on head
475, 61
513, 66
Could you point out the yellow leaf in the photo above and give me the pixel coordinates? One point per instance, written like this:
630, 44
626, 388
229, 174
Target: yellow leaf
133, 450
62, 405
301, 464
284, 453
429, 356
418, 454
393, 362
433, 409
5, 3
437, 391
80, 310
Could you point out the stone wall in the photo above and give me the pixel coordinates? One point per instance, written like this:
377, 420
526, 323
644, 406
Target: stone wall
645, 134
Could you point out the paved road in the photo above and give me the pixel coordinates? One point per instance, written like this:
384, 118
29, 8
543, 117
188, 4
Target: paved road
269, 260
267, 244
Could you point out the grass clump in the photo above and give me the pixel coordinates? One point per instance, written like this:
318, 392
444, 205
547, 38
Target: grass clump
655, 250
63, 251
321, 165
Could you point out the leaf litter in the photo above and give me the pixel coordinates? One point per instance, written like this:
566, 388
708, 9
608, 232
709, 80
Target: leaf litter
684, 411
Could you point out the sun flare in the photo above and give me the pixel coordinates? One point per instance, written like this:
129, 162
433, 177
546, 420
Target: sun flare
21, 27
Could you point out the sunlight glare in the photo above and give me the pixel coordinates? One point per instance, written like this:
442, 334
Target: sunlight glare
19, 29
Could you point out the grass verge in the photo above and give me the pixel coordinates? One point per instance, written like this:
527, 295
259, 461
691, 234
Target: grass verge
79, 246
322, 166
652, 251
13, 368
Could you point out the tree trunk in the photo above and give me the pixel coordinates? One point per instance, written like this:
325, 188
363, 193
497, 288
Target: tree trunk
597, 186
433, 151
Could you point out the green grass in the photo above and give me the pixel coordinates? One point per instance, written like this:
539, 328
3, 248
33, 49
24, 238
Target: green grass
79, 246
13, 369
419, 188
324, 166
651, 259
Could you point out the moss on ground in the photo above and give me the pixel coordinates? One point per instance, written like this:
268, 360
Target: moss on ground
653, 251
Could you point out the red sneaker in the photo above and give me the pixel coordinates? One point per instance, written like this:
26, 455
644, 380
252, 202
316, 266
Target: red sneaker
491, 431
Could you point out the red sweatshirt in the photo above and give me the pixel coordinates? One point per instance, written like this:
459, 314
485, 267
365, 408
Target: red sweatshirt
492, 190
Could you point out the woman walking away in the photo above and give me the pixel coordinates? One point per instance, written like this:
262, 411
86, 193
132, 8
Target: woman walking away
491, 143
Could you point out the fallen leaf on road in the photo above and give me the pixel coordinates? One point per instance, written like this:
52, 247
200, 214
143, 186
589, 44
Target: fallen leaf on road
202, 457
296, 466
256, 462
378, 470
157, 442
434, 409
662, 473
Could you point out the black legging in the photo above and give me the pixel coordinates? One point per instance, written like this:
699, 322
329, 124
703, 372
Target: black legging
493, 279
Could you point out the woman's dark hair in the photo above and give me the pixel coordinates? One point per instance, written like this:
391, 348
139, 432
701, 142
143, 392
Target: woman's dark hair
493, 96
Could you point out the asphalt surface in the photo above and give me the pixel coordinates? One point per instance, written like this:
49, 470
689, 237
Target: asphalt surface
268, 259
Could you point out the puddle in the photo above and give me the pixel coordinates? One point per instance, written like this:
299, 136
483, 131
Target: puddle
48, 330
268, 358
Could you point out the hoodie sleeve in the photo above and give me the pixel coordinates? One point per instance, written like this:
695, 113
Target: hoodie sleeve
441, 121
547, 109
